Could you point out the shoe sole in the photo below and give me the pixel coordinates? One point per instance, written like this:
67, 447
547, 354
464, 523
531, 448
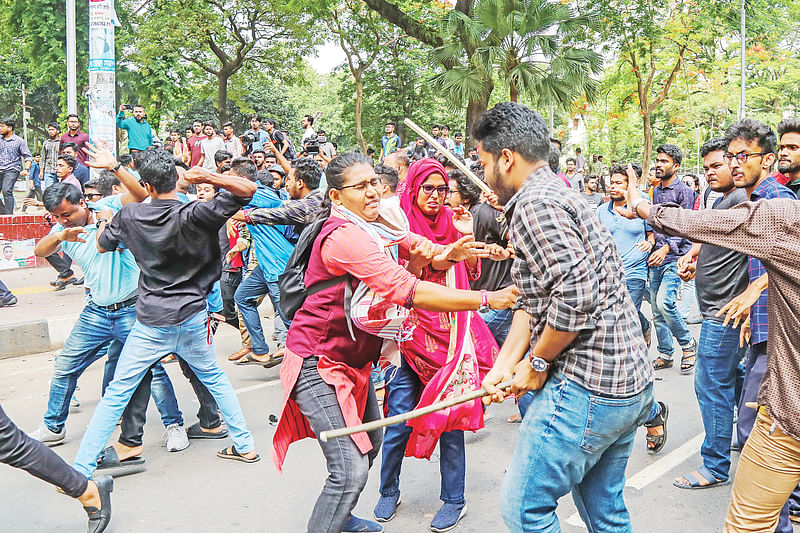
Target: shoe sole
460, 516
383, 520
178, 449
52, 443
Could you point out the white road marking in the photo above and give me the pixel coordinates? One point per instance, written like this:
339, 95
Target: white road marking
257, 387
649, 474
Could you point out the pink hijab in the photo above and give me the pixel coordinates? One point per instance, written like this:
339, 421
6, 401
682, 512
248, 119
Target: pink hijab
438, 228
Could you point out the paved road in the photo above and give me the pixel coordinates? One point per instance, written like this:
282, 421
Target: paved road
192, 490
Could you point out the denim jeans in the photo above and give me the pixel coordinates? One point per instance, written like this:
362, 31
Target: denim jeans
348, 468
254, 286
401, 396
687, 306
7, 180
228, 284
93, 330
577, 441
499, 322
664, 284
636, 288
5, 294
48, 178
718, 355
192, 342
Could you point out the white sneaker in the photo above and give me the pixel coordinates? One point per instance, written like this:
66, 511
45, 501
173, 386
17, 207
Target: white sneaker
177, 439
47, 436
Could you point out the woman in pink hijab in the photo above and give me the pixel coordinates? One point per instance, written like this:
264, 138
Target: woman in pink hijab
447, 356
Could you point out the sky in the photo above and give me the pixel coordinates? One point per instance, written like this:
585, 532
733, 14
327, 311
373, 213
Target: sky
329, 56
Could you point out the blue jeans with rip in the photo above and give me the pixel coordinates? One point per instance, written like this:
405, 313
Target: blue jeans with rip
572, 440
191, 341
86, 343
718, 355
401, 396
246, 296
664, 285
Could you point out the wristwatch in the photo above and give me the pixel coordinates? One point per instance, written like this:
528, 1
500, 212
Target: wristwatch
116, 167
100, 221
484, 302
539, 364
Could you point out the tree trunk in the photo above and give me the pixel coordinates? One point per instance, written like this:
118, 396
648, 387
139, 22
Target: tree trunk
513, 91
359, 104
222, 98
476, 108
648, 146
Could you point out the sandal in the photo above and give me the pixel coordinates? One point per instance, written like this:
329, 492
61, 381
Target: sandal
691, 353
657, 441
250, 359
696, 481
231, 453
275, 359
235, 356
660, 363
108, 462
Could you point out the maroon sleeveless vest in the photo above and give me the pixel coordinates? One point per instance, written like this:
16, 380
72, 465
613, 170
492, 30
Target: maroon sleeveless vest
320, 326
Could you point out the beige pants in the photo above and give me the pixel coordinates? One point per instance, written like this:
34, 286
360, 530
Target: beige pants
768, 472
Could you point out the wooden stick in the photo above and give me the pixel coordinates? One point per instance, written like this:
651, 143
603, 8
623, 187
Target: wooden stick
445, 152
405, 417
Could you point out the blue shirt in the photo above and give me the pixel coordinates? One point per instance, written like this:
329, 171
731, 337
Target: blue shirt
272, 248
766, 190
263, 137
81, 173
35, 173
678, 193
390, 143
111, 277
626, 233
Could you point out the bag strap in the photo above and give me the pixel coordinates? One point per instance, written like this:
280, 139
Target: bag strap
348, 296
325, 284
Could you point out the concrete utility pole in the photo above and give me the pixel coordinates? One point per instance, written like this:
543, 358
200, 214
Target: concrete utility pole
25, 114
743, 40
72, 77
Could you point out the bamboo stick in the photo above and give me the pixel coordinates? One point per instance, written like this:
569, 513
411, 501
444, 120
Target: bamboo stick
405, 417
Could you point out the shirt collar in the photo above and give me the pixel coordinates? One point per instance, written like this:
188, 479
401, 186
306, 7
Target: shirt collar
670, 186
535, 175
759, 191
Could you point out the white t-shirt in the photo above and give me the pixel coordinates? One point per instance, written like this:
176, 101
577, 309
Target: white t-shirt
209, 147
309, 133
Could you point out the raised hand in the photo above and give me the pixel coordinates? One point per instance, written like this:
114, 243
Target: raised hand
462, 220
504, 298
196, 175
72, 235
99, 157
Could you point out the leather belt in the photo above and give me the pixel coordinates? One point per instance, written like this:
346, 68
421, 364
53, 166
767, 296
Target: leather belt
119, 305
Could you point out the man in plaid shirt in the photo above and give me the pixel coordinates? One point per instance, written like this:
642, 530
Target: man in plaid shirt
587, 357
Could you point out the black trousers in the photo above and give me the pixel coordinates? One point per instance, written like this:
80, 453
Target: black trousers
228, 284
63, 265
20, 451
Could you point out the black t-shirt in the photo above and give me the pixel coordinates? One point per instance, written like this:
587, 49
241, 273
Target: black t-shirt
176, 246
280, 139
721, 273
490, 226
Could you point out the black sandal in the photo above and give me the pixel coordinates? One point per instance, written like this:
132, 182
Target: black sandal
688, 366
658, 441
660, 363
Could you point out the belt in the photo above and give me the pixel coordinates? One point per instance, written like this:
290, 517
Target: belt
119, 305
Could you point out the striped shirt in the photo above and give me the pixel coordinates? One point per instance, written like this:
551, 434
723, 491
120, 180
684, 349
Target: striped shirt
50, 155
571, 278
13, 150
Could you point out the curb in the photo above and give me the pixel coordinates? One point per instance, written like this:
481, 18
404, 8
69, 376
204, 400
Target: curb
26, 338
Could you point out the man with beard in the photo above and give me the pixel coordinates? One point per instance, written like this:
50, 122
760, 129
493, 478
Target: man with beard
194, 142
789, 152
590, 194
663, 262
50, 149
75, 136
575, 335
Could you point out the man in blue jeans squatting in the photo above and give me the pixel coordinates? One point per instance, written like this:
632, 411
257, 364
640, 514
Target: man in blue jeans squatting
588, 360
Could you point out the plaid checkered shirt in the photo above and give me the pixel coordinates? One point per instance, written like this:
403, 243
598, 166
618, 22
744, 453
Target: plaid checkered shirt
571, 278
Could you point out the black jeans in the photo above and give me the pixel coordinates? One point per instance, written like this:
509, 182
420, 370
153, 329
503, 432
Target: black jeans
348, 468
228, 284
20, 451
36, 192
63, 265
208, 413
7, 180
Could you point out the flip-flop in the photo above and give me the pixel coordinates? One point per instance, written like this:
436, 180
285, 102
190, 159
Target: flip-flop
274, 360
231, 453
196, 432
108, 462
695, 483
248, 359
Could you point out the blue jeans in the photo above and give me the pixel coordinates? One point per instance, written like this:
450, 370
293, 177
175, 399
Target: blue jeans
145, 346
664, 284
93, 330
401, 396
688, 304
576, 441
499, 322
48, 178
246, 296
718, 355
636, 288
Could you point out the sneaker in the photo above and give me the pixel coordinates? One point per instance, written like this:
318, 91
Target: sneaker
74, 402
386, 507
448, 516
8, 303
359, 525
47, 436
177, 439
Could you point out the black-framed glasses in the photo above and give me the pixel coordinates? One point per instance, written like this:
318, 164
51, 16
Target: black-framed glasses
361, 187
441, 190
742, 157
90, 195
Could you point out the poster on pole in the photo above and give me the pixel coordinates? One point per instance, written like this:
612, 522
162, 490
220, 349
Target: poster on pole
102, 74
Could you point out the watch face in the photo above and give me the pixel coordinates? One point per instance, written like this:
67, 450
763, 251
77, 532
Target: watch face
539, 364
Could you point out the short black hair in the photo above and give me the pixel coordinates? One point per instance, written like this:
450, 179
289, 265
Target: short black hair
672, 151
390, 122
257, 117
554, 158
515, 127
321, 132
254, 152
58, 192
308, 170
577, 150
106, 182
370, 151
272, 121
69, 160
157, 168
54, 125
388, 175
196, 121
229, 123
73, 115
458, 134
125, 159
717, 144
310, 119
466, 187
623, 169
749, 129
69, 145
36, 153
222, 155
557, 141
174, 130
788, 125
571, 159
244, 168
92, 184
210, 124
138, 105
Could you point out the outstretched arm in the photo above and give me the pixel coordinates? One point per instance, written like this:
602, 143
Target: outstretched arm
238, 186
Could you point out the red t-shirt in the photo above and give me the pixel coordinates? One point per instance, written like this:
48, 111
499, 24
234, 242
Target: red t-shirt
79, 139
194, 148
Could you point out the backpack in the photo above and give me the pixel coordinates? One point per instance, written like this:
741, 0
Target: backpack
292, 283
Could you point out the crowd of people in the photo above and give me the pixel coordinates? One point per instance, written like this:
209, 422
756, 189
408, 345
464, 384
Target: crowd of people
400, 275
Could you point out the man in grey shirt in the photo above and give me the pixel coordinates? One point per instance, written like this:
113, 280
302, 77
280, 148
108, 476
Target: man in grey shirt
590, 194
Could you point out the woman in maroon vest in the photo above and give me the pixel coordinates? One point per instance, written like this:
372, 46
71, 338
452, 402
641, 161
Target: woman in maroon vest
326, 369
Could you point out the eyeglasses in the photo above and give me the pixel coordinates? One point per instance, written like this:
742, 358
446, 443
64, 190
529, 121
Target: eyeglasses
361, 187
742, 157
93, 194
441, 190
